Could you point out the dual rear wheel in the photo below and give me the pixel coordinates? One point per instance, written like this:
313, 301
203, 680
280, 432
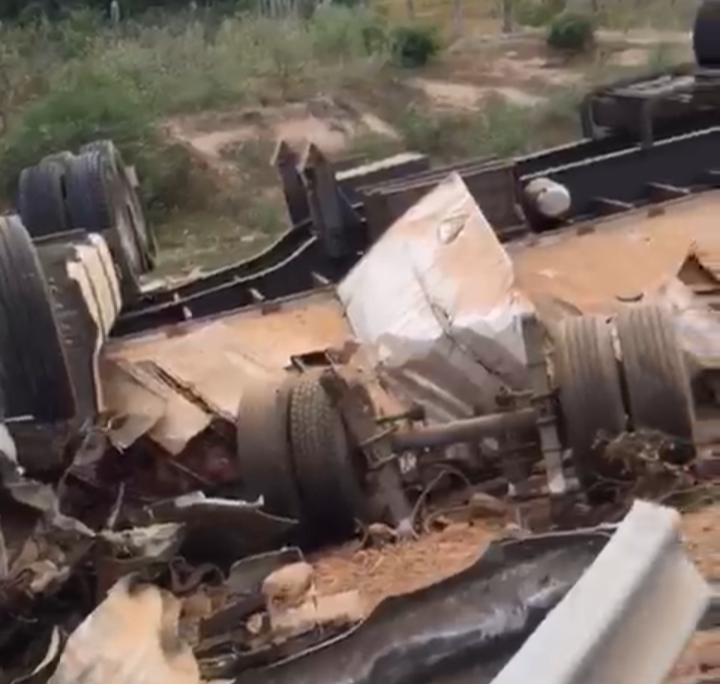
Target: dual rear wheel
91, 191
599, 398
294, 450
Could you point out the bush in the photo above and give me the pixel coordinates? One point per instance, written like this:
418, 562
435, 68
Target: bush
538, 12
87, 108
572, 32
413, 46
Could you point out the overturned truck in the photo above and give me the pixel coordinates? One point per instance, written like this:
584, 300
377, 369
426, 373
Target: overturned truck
509, 352
537, 328
515, 320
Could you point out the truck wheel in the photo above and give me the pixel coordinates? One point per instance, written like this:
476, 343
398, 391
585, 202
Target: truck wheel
656, 379
95, 204
143, 235
41, 198
263, 448
36, 379
591, 400
706, 30
329, 484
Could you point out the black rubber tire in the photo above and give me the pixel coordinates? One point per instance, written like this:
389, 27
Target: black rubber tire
590, 393
36, 378
263, 448
94, 203
657, 382
136, 215
323, 460
706, 35
41, 198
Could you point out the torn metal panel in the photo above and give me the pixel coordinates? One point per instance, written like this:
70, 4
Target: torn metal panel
220, 529
628, 618
199, 369
132, 637
126, 386
436, 298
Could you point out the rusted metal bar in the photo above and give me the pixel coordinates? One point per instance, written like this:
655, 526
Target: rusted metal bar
460, 431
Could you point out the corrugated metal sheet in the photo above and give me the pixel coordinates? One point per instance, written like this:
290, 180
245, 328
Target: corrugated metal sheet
436, 299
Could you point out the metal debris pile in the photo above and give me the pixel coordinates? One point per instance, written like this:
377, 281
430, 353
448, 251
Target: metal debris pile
82, 599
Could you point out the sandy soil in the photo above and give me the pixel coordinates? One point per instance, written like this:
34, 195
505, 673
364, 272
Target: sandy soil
330, 124
401, 568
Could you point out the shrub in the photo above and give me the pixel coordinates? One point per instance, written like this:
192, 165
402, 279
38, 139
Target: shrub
413, 46
85, 109
571, 31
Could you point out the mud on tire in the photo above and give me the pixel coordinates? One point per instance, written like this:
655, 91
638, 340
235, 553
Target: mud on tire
323, 459
94, 203
656, 378
263, 448
36, 380
591, 401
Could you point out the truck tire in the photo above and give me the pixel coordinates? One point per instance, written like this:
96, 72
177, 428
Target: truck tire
41, 198
590, 394
656, 379
95, 204
706, 31
36, 378
136, 215
323, 460
263, 448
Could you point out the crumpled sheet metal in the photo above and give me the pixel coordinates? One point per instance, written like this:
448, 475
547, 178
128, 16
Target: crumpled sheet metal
436, 299
131, 638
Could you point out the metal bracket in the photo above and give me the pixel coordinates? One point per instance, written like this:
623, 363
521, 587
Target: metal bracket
550, 445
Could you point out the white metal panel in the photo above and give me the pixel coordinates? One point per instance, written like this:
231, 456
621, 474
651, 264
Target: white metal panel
628, 618
435, 297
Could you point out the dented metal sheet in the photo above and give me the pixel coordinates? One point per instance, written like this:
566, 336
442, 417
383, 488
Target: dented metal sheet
436, 298
198, 370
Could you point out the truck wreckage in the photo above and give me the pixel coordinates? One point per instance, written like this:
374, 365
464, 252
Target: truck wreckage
421, 344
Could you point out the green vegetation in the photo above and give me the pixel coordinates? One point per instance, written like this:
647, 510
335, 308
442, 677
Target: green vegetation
413, 46
571, 32
538, 12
